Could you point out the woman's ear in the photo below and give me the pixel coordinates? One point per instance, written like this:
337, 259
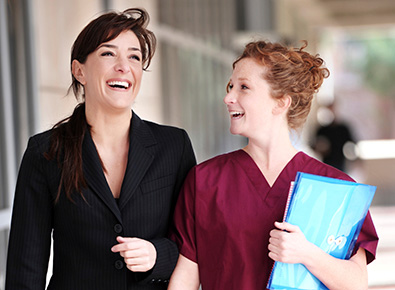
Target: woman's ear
282, 104
77, 70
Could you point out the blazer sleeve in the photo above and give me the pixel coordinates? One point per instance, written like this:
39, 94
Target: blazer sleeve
167, 250
31, 225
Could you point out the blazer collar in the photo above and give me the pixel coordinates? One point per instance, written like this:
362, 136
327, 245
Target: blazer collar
139, 160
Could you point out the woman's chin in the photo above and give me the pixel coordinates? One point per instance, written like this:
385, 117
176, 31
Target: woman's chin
235, 131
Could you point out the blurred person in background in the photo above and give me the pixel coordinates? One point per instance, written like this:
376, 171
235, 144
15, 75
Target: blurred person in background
333, 139
102, 182
228, 217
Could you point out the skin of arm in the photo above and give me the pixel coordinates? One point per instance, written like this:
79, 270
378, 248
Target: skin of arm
288, 244
185, 275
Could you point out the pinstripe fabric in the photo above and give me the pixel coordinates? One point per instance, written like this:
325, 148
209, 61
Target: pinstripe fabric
84, 232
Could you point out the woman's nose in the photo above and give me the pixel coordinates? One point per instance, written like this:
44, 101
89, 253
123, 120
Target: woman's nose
229, 98
122, 65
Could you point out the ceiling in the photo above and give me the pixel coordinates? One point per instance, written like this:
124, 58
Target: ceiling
345, 13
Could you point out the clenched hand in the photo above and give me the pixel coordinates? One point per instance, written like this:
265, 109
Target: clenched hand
139, 255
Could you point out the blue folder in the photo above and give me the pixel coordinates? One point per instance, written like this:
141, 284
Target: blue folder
330, 212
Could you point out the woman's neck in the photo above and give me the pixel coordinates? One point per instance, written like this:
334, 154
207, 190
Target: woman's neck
272, 146
109, 130
271, 156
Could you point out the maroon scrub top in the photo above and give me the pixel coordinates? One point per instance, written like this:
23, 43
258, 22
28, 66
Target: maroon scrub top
226, 210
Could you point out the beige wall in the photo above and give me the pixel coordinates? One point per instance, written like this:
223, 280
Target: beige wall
58, 23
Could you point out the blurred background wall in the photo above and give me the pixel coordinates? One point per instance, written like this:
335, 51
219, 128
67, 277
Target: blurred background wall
198, 41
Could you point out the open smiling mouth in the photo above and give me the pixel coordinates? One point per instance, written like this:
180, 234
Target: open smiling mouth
119, 85
236, 115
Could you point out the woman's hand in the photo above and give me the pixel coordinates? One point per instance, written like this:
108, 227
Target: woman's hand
288, 244
139, 255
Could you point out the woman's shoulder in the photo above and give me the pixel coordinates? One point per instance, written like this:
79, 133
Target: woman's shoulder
162, 128
36, 148
158, 130
40, 141
210, 172
44, 135
314, 166
219, 162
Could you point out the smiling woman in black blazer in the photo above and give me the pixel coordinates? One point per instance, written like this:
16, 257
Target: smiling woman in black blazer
102, 182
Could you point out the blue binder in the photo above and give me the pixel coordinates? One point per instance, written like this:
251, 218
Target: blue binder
330, 212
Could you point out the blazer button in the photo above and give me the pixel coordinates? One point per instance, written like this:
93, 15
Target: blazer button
118, 228
118, 264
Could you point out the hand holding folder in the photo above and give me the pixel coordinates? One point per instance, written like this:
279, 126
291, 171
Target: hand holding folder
330, 213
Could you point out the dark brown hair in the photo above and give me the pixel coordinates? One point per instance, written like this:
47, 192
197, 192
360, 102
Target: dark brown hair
68, 134
289, 71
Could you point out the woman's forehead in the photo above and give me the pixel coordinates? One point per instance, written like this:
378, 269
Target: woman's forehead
248, 67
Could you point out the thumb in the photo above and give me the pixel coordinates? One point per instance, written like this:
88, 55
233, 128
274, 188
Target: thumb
121, 239
286, 226
279, 225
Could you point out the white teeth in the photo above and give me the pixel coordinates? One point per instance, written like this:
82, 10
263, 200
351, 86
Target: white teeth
119, 84
235, 114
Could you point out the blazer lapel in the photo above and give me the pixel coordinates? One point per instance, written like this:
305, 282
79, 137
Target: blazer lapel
94, 175
139, 160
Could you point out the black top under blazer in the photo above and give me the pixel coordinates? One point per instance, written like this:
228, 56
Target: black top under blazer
84, 231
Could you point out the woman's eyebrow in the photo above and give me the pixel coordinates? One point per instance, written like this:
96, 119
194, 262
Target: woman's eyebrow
134, 49
114, 46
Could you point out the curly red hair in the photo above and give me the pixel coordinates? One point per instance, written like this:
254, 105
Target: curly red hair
289, 71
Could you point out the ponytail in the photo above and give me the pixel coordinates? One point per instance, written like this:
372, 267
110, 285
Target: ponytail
66, 148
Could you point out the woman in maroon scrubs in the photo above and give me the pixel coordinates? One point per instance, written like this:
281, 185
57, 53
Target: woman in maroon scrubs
227, 220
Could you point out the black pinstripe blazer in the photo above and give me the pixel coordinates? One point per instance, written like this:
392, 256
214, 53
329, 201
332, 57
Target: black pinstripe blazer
84, 231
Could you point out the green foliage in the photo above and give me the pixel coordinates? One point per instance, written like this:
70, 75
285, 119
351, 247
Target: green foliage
376, 64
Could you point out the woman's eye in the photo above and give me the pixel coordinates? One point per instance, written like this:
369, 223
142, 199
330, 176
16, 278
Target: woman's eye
229, 87
135, 57
244, 87
107, 53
